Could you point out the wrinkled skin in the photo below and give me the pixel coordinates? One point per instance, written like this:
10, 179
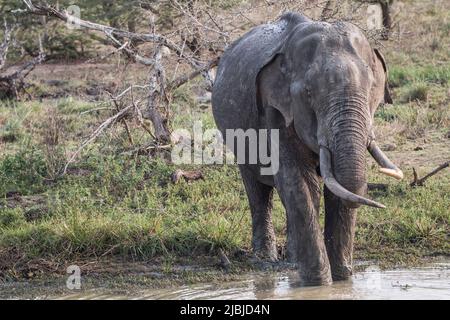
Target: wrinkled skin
319, 84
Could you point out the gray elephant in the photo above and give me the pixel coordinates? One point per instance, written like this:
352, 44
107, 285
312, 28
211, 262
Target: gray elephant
319, 84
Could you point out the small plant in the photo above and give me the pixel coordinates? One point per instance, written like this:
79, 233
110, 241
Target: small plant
22, 172
11, 218
53, 151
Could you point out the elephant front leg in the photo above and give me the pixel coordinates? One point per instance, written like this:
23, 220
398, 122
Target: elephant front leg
340, 224
260, 200
305, 240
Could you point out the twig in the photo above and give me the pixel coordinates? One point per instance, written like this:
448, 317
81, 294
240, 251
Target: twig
421, 181
147, 147
198, 23
108, 54
125, 124
124, 92
185, 78
130, 53
95, 134
96, 109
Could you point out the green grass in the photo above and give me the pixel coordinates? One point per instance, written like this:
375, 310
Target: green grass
413, 119
416, 219
400, 75
129, 207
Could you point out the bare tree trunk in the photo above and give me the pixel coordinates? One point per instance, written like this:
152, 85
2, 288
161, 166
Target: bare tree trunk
387, 21
327, 10
4, 45
157, 96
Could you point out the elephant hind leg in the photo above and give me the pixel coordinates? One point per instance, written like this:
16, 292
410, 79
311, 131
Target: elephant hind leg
260, 199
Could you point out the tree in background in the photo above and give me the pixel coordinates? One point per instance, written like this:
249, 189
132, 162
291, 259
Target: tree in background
386, 15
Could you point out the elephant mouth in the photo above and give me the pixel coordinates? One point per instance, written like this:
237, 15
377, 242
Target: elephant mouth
349, 198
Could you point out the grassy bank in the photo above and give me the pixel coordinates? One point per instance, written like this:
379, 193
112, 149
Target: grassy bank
115, 205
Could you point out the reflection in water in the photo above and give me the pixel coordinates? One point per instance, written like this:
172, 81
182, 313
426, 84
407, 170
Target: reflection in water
432, 282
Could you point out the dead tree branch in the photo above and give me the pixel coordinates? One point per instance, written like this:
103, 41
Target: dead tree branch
416, 181
4, 46
159, 90
420, 182
185, 78
109, 31
118, 116
12, 80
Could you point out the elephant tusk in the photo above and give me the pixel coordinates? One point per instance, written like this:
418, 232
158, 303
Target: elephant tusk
335, 187
397, 174
387, 167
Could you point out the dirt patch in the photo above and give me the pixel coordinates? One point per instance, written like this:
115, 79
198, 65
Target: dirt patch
15, 200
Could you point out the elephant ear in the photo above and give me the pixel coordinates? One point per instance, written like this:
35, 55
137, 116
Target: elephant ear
272, 88
387, 91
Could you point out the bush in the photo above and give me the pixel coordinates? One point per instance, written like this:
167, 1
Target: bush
11, 218
417, 92
22, 172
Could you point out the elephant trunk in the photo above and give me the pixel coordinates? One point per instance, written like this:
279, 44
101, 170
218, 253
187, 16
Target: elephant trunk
349, 150
347, 136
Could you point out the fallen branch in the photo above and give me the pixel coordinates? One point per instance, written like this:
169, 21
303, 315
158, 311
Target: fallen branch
416, 181
420, 182
146, 148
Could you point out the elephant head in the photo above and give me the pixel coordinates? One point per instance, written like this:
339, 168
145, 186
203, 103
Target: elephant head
327, 81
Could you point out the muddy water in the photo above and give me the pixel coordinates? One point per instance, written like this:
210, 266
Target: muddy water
430, 282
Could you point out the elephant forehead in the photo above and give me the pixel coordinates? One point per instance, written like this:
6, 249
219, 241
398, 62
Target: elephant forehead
296, 87
327, 37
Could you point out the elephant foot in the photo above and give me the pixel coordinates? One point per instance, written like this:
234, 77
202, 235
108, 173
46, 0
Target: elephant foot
341, 272
265, 250
266, 255
317, 275
311, 279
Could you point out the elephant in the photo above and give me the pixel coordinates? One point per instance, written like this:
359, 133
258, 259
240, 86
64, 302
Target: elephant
318, 84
